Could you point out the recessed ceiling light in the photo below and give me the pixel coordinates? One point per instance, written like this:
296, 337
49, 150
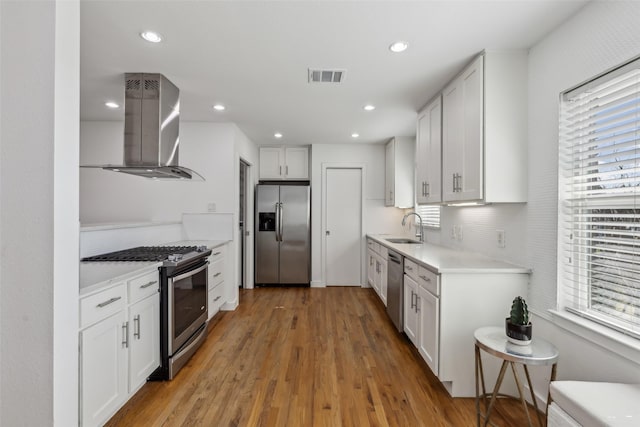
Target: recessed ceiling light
277, 135
219, 107
355, 135
398, 47
151, 36
369, 107
111, 104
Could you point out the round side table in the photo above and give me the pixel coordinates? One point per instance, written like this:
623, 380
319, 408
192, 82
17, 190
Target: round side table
493, 340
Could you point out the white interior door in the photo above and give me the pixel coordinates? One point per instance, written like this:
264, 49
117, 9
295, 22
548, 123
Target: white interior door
343, 232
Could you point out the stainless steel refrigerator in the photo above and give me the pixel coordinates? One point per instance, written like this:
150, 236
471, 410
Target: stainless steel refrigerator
283, 235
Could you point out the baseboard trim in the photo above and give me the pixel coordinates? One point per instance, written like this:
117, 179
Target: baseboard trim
229, 306
318, 284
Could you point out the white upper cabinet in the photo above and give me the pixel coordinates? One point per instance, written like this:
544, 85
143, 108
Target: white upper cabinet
284, 163
399, 172
484, 131
429, 153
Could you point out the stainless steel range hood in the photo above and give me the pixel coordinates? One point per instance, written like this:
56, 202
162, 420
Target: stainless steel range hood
151, 129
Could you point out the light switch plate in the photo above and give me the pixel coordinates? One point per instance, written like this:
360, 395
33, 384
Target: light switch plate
501, 240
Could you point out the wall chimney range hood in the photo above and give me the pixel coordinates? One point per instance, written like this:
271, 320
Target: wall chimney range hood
151, 129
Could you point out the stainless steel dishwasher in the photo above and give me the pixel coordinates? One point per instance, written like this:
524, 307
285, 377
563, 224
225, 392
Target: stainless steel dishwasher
395, 289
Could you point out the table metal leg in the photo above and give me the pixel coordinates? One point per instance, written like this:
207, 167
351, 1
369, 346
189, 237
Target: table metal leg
522, 399
480, 385
553, 378
533, 396
503, 369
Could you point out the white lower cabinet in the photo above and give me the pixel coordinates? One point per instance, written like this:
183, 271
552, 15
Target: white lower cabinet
119, 344
410, 309
103, 365
216, 281
377, 269
144, 340
428, 327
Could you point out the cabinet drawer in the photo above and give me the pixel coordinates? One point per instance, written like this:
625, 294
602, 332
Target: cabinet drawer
384, 252
428, 280
216, 254
143, 286
371, 244
215, 299
411, 269
102, 305
216, 273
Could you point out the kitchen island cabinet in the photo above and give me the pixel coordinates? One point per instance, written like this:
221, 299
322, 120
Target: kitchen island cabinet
448, 294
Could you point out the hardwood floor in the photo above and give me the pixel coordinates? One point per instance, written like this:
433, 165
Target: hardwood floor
305, 357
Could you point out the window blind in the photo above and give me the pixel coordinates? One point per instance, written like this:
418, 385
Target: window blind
430, 215
599, 221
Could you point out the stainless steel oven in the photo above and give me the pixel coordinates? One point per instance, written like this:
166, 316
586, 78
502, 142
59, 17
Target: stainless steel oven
187, 305
183, 310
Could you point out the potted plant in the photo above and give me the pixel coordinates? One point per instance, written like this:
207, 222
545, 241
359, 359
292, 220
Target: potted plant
518, 326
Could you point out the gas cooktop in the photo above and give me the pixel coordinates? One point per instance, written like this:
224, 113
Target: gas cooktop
144, 253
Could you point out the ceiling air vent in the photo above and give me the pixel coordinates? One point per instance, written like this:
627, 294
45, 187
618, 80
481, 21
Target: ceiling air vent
326, 76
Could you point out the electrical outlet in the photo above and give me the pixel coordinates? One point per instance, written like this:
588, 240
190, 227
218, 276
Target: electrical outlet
501, 238
454, 232
211, 207
459, 233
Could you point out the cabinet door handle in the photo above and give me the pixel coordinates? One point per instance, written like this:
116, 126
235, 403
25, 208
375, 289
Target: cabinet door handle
425, 278
146, 285
110, 301
217, 298
409, 268
125, 334
136, 326
216, 253
286, 170
217, 274
426, 186
417, 303
412, 299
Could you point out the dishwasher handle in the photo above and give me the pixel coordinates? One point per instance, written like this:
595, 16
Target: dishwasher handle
395, 258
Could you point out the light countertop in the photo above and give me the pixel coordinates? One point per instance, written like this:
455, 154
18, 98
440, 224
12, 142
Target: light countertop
99, 275
445, 260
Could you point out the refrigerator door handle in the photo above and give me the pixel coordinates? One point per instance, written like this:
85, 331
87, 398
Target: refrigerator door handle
280, 220
277, 222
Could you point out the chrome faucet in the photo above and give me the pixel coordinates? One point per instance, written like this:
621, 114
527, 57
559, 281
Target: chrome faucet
419, 233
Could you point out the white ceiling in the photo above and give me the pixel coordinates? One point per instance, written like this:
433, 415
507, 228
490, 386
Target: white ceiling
253, 58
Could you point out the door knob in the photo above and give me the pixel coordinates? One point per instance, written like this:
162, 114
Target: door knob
328, 233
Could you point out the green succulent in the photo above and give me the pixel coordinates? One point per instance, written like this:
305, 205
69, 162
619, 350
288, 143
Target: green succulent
519, 312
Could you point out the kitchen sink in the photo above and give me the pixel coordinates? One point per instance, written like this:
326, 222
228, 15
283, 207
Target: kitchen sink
402, 240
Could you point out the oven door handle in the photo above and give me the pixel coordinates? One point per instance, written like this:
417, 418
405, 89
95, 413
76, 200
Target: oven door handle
190, 272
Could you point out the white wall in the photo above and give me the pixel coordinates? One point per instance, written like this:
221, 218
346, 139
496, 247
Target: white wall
601, 36
39, 82
105, 196
479, 225
378, 218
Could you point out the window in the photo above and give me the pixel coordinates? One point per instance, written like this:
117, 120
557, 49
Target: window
599, 188
430, 215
